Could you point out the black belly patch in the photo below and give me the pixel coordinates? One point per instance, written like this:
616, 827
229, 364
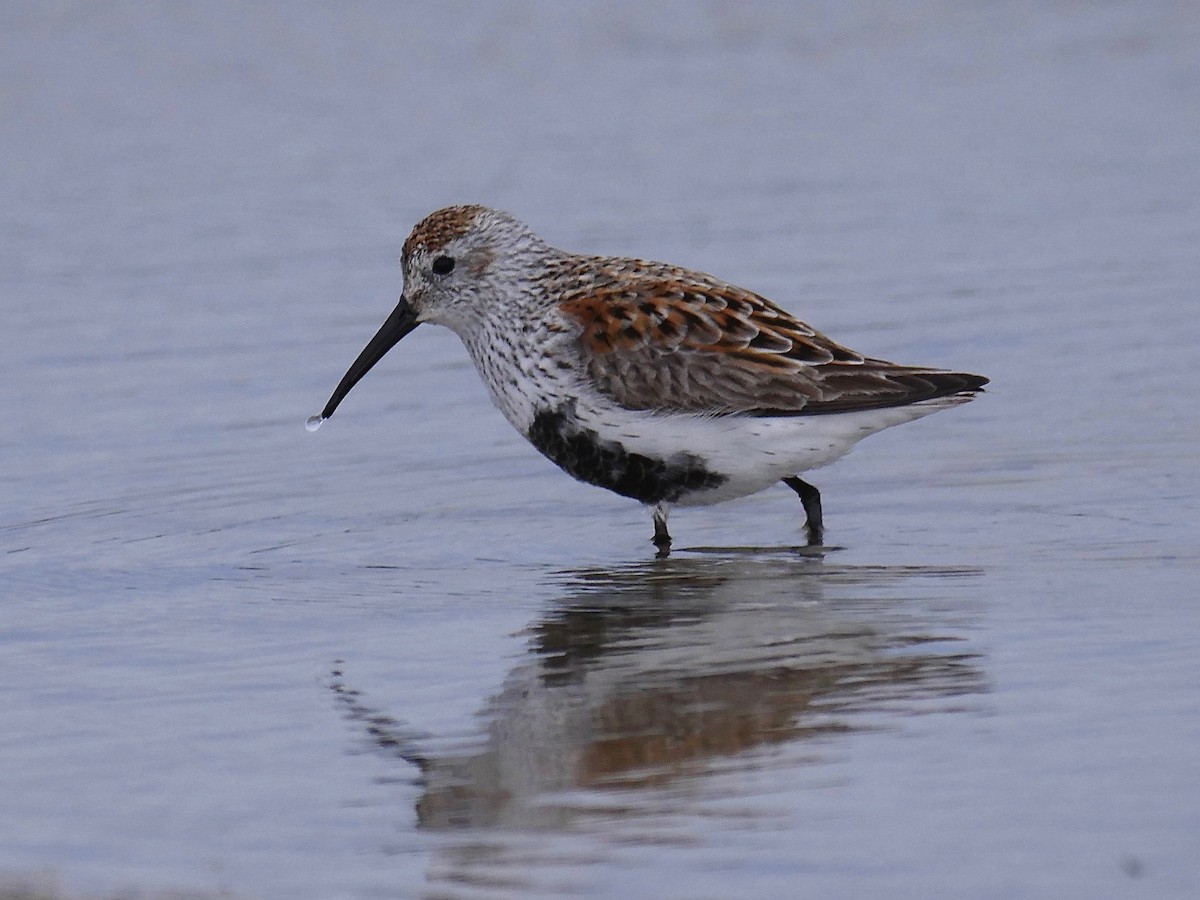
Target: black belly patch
580, 452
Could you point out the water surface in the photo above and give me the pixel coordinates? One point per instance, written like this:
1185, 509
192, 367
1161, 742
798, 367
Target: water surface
405, 656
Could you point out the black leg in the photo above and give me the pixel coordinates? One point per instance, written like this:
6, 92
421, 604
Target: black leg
662, 540
814, 527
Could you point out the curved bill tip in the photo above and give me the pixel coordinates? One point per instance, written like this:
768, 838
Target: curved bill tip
402, 320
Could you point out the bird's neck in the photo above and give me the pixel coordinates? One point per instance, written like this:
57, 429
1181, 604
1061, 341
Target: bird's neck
526, 364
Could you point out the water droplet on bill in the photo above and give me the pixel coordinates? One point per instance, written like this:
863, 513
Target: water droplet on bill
312, 423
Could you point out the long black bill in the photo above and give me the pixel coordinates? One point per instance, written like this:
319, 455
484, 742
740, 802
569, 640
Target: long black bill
402, 320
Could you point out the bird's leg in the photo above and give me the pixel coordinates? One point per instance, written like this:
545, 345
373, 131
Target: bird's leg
814, 525
662, 540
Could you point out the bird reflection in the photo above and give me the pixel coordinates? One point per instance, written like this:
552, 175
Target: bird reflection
643, 677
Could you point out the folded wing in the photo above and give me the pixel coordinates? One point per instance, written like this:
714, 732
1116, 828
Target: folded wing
660, 337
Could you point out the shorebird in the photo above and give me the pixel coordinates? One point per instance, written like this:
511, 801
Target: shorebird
660, 383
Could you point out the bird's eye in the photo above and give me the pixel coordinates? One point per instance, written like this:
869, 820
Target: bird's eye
443, 265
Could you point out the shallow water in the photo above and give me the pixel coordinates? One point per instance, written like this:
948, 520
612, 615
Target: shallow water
405, 656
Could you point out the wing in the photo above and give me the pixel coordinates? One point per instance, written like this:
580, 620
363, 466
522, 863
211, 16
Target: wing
660, 337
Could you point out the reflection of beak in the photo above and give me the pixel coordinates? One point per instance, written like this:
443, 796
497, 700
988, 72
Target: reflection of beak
402, 320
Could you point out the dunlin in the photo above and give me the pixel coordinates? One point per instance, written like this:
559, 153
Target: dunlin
662, 384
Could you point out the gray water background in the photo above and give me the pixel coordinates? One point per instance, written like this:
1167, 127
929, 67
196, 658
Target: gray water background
406, 656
